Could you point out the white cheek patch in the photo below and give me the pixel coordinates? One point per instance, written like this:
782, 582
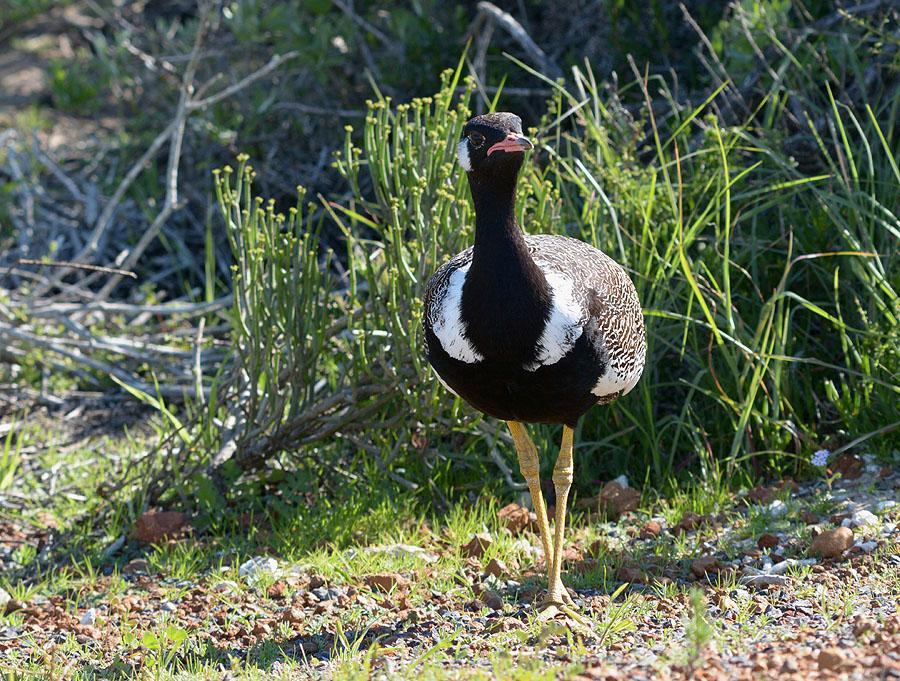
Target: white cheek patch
449, 326
462, 153
565, 324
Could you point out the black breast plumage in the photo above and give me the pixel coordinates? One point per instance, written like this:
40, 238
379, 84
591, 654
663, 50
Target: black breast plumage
540, 359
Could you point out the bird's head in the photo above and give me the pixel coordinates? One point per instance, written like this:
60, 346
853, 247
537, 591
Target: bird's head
492, 143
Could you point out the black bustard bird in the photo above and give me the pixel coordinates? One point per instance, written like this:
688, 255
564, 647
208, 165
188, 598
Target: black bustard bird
530, 328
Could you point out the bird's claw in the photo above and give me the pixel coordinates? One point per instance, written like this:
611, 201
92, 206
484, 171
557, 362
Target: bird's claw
552, 606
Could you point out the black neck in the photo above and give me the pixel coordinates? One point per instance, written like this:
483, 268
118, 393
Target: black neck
506, 298
497, 234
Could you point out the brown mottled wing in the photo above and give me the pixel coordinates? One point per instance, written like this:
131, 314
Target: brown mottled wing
615, 323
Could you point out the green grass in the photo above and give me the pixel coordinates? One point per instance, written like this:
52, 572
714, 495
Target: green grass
769, 291
329, 538
769, 280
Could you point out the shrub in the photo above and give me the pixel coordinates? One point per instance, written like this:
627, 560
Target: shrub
769, 305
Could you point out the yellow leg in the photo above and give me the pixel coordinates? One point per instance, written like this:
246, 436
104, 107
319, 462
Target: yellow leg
562, 482
530, 465
558, 599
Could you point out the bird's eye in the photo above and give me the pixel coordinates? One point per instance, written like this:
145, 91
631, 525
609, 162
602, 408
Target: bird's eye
476, 139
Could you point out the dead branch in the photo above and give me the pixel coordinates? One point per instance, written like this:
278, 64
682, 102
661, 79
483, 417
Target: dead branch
508, 23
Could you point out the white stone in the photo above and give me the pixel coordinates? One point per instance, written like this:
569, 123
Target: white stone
257, 567
867, 546
777, 508
226, 586
622, 480
764, 580
89, 617
884, 505
860, 519
403, 551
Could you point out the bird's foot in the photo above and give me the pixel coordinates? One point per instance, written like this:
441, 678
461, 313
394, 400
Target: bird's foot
556, 604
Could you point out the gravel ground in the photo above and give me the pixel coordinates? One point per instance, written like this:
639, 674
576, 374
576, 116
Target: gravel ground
709, 597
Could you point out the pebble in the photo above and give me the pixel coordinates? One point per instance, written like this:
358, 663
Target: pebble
867, 546
764, 579
320, 593
226, 586
492, 600
832, 543
767, 541
257, 567
89, 617
10, 633
401, 551
860, 519
777, 508
4, 599
884, 505
787, 564
168, 606
831, 659
622, 480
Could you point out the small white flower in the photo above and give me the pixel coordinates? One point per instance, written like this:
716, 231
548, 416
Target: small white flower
820, 458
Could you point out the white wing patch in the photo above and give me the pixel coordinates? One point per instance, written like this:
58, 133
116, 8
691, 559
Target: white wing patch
611, 382
462, 153
449, 326
566, 321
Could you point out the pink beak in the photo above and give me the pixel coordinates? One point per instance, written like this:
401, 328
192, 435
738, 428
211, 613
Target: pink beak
513, 142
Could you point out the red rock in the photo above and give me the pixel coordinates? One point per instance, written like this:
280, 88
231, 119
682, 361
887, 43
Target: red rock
831, 659
848, 465
497, 568
650, 530
832, 543
630, 574
13, 605
261, 628
767, 541
477, 545
617, 500
705, 565
276, 590
492, 600
156, 526
293, 615
761, 494
809, 517
385, 581
863, 625
689, 521
136, 566
516, 518
571, 554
